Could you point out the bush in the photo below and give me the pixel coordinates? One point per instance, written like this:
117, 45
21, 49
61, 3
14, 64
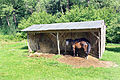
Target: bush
7, 30
15, 37
113, 34
37, 18
78, 14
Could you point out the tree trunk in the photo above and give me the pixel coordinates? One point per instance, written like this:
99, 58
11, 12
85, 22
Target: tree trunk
61, 7
31, 10
14, 17
68, 5
7, 21
38, 7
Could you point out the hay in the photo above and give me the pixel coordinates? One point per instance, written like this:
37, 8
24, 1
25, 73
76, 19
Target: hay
77, 62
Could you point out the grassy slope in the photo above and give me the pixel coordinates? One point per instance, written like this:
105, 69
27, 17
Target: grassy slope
14, 65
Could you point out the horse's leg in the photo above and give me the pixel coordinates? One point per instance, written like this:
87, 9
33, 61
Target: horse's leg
86, 52
86, 55
76, 52
79, 53
73, 50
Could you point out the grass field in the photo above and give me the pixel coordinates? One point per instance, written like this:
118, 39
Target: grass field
15, 65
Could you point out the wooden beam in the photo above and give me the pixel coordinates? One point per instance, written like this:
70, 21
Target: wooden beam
56, 36
95, 43
58, 43
61, 35
29, 49
95, 35
61, 31
53, 35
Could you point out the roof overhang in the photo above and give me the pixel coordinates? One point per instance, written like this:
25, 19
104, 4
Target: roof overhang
71, 26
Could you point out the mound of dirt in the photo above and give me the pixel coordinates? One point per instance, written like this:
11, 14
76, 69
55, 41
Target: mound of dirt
78, 62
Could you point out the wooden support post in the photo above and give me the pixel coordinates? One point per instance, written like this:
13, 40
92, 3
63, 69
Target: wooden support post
99, 45
58, 43
29, 49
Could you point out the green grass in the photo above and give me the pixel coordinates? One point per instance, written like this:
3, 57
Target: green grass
15, 65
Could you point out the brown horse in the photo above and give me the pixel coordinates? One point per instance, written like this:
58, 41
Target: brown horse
82, 45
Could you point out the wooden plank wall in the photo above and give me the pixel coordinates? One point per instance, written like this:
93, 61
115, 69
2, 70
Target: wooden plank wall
47, 43
31, 41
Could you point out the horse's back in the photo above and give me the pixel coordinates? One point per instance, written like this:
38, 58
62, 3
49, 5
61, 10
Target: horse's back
84, 39
81, 39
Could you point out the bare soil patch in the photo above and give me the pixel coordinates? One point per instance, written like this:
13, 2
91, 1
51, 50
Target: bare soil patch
78, 62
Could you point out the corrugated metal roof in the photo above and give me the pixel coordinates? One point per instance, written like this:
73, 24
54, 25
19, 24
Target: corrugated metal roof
66, 26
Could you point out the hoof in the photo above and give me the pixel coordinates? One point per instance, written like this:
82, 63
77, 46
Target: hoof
86, 57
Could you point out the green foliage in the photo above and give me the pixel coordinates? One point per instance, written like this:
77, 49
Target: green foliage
5, 29
6, 10
16, 37
24, 13
42, 5
113, 32
37, 18
77, 14
104, 3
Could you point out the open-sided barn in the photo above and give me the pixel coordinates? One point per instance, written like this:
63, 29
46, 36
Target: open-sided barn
51, 38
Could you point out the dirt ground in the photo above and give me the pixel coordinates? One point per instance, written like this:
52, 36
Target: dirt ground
78, 62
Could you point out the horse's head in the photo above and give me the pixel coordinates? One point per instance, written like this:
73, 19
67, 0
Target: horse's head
83, 43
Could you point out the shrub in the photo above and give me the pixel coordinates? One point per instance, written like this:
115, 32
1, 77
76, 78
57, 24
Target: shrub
37, 18
113, 33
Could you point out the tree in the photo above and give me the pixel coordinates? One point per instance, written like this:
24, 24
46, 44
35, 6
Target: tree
37, 18
6, 11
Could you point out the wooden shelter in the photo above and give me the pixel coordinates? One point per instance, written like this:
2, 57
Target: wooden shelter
51, 38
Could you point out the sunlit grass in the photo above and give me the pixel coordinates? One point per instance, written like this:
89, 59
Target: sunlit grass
15, 65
